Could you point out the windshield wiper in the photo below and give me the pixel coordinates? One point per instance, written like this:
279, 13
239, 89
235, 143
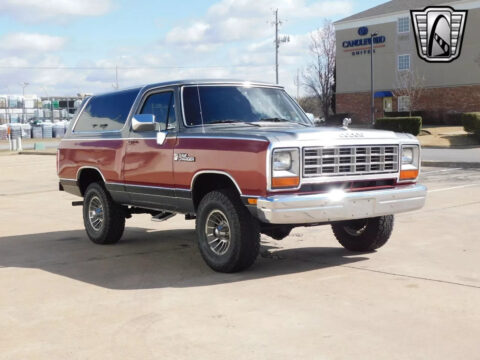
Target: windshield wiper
278, 119
232, 122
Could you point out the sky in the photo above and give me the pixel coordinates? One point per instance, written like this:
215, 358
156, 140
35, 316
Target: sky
65, 47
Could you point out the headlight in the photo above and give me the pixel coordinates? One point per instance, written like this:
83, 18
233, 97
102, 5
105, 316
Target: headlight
285, 168
407, 155
410, 163
282, 160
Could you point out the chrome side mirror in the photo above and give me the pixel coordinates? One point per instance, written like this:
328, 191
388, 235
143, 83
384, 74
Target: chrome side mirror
161, 136
143, 122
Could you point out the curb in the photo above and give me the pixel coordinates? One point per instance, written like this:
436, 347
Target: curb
33, 152
452, 164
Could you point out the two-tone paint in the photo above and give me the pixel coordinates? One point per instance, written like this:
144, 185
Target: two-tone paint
138, 171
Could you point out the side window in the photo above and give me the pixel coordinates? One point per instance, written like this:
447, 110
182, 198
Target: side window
106, 112
162, 105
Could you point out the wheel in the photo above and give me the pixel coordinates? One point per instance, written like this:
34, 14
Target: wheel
104, 219
228, 236
363, 234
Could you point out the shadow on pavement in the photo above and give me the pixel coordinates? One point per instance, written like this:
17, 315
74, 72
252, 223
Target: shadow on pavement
146, 259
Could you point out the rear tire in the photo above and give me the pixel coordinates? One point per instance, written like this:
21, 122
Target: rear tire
364, 234
228, 236
104, 219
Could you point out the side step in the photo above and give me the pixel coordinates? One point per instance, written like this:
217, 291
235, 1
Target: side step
162, 216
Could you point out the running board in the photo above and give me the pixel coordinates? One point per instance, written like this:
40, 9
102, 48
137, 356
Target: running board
162, 216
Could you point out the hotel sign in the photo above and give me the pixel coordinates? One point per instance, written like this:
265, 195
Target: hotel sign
361, 46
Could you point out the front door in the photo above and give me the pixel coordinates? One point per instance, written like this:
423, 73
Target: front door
148, 166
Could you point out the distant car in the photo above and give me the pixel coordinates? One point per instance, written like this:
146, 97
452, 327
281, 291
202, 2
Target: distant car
242, 159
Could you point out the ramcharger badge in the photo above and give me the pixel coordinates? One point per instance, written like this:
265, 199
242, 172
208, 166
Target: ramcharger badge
439, 32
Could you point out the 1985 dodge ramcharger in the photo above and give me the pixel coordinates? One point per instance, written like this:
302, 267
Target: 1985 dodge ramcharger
241, 158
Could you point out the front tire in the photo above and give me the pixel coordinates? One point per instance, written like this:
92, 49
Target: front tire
363, 234
104, 220
228, 236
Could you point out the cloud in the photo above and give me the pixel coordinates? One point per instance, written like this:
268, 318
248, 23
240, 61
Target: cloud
35, 11
30, 43
240, 20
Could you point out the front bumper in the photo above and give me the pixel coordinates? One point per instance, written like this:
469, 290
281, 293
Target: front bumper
337, 206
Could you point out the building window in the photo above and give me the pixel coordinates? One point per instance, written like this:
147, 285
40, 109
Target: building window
403, 103
403, 62
387, 104
403, 25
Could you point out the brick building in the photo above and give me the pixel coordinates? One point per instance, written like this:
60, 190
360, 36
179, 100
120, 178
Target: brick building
448, 89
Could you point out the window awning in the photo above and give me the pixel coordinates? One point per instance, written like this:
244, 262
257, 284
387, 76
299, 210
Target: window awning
382, 94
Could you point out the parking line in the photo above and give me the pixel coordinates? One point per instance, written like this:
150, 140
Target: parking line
454, 187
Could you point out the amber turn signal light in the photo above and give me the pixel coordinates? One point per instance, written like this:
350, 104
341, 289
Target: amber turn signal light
285, 182
408, 174
252, 201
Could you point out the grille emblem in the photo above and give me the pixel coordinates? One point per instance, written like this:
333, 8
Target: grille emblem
439, 32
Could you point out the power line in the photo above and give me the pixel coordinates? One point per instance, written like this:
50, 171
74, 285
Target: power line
124, 67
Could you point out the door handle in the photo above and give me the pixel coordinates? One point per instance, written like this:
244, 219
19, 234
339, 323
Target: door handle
131, 142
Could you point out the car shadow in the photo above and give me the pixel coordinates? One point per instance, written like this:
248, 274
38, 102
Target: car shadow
146, 259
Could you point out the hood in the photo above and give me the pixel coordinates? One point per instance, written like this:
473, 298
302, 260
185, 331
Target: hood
286, 132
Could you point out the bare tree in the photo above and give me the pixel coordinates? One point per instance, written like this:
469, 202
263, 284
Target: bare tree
319, 77
410, 84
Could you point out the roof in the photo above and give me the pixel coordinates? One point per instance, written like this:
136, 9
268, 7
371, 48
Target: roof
195, 82
394, 6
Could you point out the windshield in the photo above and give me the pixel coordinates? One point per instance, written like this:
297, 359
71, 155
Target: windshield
239, 104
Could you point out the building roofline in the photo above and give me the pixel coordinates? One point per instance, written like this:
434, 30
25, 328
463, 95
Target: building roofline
371, 18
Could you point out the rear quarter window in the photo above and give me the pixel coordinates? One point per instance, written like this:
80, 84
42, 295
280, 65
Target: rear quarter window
107, 112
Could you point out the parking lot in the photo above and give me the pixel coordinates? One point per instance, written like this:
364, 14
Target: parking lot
152, 296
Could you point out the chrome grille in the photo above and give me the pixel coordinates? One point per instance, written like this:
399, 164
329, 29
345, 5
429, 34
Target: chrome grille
350, 160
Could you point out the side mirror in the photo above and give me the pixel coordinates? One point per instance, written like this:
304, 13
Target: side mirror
143, 122
311, 116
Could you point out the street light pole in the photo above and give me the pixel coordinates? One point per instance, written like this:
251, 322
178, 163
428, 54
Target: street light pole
372, 94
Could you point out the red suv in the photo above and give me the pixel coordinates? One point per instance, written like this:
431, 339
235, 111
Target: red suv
242, 159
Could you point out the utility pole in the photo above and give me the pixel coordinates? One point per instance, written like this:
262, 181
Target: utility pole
372, 94
298, 84
278, 41
115, 86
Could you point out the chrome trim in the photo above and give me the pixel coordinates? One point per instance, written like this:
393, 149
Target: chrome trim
90, 167
214, 172
219, 137
121, 138
321, 208
353, 163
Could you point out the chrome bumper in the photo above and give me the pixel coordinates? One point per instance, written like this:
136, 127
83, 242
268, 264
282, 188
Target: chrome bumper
337, 205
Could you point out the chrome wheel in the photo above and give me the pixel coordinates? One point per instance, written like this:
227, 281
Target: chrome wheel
356, 227
95, 213
217, 230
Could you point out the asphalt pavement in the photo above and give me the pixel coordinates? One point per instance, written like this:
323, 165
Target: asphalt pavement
151, 296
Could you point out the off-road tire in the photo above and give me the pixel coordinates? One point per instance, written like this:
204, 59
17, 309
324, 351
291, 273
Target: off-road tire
375, 234
244, 232
114, 217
